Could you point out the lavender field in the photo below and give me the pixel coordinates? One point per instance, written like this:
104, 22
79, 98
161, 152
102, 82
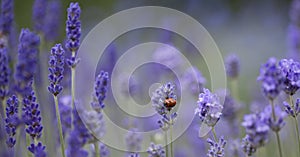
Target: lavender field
168, 78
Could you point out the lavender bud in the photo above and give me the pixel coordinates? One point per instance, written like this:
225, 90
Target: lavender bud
11, 120
216, 147
291, 73
38, 14
232, 64
4, 70
156, 151
267, 116
248, 147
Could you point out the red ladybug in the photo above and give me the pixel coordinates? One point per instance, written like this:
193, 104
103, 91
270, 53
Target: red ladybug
169, 103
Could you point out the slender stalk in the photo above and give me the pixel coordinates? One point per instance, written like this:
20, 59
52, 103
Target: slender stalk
234, 88
214, 134
72, 91
96, 145
277, 133
166, 139
171, 142
295, 121
62, 143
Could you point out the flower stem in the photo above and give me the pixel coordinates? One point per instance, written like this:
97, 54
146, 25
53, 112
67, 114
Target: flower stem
62, 143
72, 91
171, 142
234, 88
166, 139
214, 133
295, 121
96, 145
277, 133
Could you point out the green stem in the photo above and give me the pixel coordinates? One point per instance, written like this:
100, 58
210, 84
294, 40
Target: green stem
277, 133
234, 88
171, 142
295, 121
62, 143
96, 144
214, 134
166, 138
73, 91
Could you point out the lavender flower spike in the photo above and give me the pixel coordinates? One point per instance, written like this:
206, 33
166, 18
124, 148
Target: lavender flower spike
156, 151
133, 141
27, 59
271, 78
209, 108
4, 70
232, 64
7, 16
248, 147
56, 69
73, 27
100, 88
52, 20
267, 116
291, 72
12, 120
38, 150
292, 111
216, 148
38, 14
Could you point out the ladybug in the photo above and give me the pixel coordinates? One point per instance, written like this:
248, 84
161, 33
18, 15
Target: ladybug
169, 103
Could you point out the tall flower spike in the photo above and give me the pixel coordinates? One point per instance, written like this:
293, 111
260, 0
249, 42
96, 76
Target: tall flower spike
216, 148
292, 111
232, 64
271, 78
4, 70
12, 120
38, 14
52, 20
56, 69
156, 151
100, 88
32, 116
162, 96
256, 129
209, 108
267, 116
248, 147
73, 27
7, 16
291, 73
27, 59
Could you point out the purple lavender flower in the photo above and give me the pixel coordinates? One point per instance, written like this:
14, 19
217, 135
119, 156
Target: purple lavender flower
95, 122
293, 40
167, 121
65, 113
268, 118
12, 120
168, 57
7, 16
156, 151
209, 108
164, 92
133, 140
56, 69
73, 28
4, 70
52, 20
292, 110
216, 147
38, 14
230, 107
232, 64
247, 146
32, 116
27, 59
100, 88
291, 72
271, 78
193, 80
38, 150
256, 129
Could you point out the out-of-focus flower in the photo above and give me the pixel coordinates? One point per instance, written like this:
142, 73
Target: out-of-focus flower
39, 14
65, 110
52, 20
56, 69
27, 59
4, 70
216, 147
267, 116
133, 141
193, 80
291, 72
293, 39
248, 147
38, 150
256, 129
12, 120
232, 64
230, 107
209, 108
7, 16
94, 121
100, 90
159, 97
168, 57
156, 151
292, 110
271, 78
